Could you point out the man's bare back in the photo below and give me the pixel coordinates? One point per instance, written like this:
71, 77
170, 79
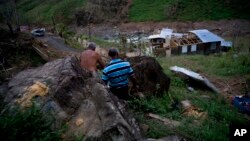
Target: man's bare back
89, 60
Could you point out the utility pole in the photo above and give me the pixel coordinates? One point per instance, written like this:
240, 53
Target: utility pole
89, 25
236, 33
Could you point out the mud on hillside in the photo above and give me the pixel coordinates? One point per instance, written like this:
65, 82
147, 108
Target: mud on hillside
224, 28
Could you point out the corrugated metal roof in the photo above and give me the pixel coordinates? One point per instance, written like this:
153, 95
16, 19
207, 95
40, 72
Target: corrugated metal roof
164, 33
206, 36
156, 36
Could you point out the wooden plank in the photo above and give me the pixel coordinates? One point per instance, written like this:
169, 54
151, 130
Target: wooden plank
43, 55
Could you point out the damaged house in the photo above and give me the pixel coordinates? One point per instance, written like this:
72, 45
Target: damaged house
193, 42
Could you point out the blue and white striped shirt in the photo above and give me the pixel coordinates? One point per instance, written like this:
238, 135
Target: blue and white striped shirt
117, 73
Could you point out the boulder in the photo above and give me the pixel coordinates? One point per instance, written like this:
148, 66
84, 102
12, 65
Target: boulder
149, 75
74, 98
170, 138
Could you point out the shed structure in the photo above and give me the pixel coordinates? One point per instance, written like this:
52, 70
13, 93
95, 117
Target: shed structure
195, 41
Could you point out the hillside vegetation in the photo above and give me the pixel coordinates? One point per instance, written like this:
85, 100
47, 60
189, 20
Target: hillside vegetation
37, 11
160, 10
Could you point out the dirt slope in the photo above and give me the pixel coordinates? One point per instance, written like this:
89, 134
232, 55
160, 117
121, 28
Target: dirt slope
224, 28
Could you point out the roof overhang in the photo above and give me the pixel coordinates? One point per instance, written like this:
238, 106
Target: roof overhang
157, 36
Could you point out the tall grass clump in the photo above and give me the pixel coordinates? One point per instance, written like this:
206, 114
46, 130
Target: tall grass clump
26, 125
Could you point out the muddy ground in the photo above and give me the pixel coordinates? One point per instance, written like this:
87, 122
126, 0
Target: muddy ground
224, 28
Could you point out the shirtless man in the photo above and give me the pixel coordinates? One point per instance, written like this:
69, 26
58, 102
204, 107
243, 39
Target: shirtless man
90, 58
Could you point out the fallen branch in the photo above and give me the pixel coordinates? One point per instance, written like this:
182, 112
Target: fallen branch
166, 121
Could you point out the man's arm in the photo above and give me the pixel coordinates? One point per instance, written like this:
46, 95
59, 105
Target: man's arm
100, 62
105, 77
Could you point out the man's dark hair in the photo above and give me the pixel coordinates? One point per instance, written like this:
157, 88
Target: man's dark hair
91, 45
113, 52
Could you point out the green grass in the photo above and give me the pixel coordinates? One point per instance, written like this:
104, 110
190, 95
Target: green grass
242, 44
204, 10
220, 113
221, 65
39, 11
187, 10
147, 10
71, 40
104, 43
42, 11
27, 124
214, 127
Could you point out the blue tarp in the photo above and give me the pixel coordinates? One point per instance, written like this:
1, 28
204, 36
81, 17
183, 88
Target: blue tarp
242, 104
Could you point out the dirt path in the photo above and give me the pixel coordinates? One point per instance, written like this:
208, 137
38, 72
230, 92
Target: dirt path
56, 43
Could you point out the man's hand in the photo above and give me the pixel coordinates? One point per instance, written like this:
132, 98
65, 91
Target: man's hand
135, 88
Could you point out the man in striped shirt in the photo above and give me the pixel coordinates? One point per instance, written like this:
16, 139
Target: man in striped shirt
116, 75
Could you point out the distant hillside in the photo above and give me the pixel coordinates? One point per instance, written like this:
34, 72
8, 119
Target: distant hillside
36, 11
42, 11
160, 10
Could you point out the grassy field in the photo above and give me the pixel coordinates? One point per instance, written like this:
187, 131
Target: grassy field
147, 10
223, 65
191, 10
220, 113
42, 11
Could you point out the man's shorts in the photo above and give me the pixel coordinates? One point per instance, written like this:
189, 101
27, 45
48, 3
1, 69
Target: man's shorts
121, 93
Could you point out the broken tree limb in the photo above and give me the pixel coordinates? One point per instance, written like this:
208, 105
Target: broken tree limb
166, 121
195, 76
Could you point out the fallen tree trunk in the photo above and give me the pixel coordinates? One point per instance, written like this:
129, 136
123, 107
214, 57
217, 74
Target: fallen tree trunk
168, 122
